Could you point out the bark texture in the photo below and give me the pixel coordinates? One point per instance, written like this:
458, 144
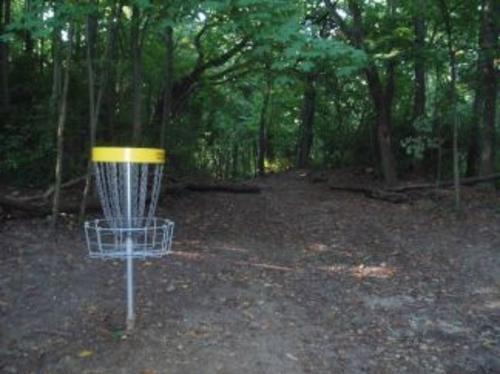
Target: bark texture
488, 50
61, 122
5, 7
419, 98
169, 79
263, 128
382, 96
136, 76
306, 134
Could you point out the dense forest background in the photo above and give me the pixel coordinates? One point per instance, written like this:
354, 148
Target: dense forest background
236, 88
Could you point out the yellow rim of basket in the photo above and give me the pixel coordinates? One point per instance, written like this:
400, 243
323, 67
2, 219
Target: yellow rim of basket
128, 154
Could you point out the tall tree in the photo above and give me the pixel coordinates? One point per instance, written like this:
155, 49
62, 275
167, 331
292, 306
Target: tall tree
419, 26
169, 81
306, 131
5, 12
445, 12
56, 65
29, 42
111, 95
473, 145
382, 94
61, 123
488, 48
136, 45
264, 124
95, 98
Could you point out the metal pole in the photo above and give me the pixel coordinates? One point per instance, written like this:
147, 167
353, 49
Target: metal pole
129, 247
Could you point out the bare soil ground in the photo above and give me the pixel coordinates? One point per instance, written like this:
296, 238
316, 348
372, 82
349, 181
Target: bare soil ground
297, 279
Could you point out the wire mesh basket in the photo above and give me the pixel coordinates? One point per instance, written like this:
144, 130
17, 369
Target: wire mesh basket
128, 181
112, 239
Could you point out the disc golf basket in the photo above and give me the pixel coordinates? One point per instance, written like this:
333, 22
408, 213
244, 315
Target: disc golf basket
128, 182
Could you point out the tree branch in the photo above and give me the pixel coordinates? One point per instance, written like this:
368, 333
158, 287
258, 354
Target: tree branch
332, 9
229, 70
198, 46
232, 77
222, 59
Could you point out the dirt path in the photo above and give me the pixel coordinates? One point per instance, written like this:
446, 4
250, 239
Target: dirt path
298, 279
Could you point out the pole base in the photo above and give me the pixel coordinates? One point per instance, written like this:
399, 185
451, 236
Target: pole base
130, 324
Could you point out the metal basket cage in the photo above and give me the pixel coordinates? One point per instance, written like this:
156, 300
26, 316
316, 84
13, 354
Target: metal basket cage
128, 181
114, 239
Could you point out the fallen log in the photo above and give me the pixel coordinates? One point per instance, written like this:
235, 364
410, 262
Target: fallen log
49, 191
398, 194
317, 177
375, 193
212, 187
45, 209
449, 183
38, 205
25, 206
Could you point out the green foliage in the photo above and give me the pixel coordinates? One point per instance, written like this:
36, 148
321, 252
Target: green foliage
26, 153
215, 125
424, 139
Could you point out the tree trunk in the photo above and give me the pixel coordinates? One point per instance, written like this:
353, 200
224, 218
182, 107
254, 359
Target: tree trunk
29, 43
4, 56
419, 49
60, 131
307, 124
473, 146
91, 39
111, 96
453, 99
488, 50
169, 81
235, 161
262, 152
56, 69
95, 102
382, 100
137, 76
91, 48
41, 57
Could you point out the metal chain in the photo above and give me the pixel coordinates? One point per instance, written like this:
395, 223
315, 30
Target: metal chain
146, 185
155, 191
143, 190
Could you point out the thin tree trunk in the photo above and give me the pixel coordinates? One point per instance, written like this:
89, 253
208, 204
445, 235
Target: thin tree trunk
137, 76
169, 82
4, 56
262, 152
437, 128
453, 100
235, 161
41, 55
3, 64
56, 69
419, 47
95, 103
255, 158
91, 48
29, 43
111, 92
474, 142
473, 147
60, 131
488, 51
307, 123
